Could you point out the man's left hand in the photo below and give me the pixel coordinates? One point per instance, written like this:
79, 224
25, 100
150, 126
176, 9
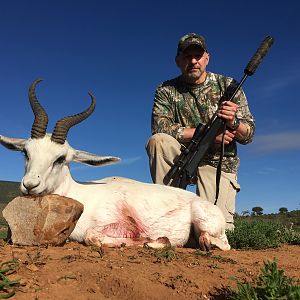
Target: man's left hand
227, 111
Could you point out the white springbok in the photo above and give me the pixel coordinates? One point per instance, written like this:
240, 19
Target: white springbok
116, 210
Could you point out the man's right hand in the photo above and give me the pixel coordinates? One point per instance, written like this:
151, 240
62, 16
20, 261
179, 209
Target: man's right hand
228, 137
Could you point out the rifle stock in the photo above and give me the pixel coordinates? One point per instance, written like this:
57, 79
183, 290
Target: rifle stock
185, 167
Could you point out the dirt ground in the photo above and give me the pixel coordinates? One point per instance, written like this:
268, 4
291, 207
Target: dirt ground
75, 271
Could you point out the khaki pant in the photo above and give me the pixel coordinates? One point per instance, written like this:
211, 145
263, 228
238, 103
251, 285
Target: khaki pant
162, 150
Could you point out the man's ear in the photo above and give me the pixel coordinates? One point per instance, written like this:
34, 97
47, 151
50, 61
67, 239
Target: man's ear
177, 60
207, 56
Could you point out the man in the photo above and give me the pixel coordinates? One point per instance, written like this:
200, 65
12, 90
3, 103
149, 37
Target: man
182, 103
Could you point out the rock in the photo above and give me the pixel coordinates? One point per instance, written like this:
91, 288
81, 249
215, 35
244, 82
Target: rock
42, 220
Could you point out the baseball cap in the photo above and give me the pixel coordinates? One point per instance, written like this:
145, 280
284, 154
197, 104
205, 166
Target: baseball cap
191, 39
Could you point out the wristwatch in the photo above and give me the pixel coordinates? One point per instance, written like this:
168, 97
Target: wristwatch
236, 124
180, 134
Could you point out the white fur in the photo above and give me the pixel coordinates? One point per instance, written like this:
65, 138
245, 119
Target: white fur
116, 209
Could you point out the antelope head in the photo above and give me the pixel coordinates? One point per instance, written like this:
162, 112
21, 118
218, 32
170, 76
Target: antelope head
47, 156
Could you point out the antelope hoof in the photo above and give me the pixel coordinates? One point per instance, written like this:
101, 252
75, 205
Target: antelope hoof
204, 242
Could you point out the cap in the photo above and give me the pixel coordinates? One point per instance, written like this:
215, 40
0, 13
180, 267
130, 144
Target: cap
190, 39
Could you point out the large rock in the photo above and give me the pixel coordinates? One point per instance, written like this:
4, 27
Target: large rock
42, 220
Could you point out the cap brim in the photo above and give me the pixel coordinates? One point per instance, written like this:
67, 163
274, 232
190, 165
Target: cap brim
189, 44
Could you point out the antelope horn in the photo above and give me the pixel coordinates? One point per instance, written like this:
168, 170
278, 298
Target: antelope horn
40, 123
62, 126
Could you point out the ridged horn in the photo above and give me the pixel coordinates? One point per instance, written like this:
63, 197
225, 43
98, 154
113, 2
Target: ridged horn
40, 123
62, 126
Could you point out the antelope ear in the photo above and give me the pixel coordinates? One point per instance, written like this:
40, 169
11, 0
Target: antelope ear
93, 159
12, 143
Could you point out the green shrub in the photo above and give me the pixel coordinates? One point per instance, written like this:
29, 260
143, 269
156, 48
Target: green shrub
260, 235
272, 284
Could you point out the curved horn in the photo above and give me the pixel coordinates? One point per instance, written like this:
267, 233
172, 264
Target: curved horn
62, 126
40, 123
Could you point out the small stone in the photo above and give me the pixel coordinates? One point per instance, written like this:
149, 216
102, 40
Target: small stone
32, 268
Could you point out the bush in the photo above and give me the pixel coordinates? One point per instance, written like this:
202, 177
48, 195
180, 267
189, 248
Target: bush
271, 284
260, 235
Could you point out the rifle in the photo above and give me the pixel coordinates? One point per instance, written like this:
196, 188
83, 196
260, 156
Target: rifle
184, 169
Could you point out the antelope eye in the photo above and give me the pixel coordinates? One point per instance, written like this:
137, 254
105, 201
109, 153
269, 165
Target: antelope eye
60, 160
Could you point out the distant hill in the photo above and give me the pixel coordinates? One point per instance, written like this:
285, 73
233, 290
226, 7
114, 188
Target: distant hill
8, 191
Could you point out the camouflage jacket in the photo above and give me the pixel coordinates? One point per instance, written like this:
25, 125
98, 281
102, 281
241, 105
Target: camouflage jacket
178, 105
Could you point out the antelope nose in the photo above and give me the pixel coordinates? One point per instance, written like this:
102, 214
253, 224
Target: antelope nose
30, 184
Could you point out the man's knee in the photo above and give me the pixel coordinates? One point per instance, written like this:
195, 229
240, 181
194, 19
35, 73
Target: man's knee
158, 141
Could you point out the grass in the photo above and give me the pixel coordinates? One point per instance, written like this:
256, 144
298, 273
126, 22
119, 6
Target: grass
165, 254
219, 258
168, 253
271, 284
261, 235
3, 235
288, 219
3, 228
7, 286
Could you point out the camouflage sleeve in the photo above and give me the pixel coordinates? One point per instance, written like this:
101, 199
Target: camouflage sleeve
163, 113
245, 116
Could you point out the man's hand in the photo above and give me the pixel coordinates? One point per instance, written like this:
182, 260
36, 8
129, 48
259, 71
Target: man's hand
228, 137
227, 112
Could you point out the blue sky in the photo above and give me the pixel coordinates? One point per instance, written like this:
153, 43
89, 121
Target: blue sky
121, 50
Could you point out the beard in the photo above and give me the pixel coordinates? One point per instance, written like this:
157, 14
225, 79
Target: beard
192, 76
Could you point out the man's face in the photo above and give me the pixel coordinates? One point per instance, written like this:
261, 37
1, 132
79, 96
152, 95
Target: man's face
192, 63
